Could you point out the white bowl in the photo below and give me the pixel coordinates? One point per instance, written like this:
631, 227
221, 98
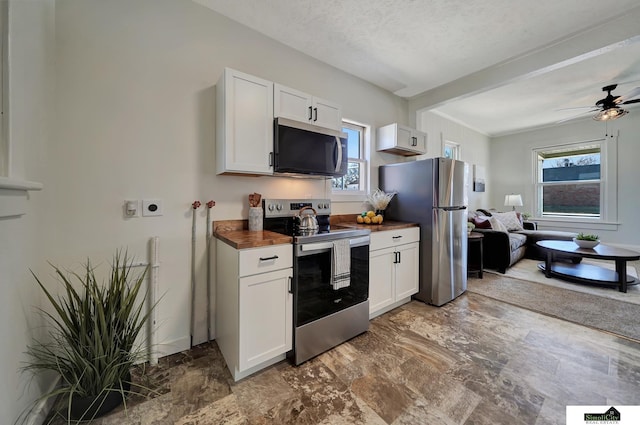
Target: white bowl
586, 244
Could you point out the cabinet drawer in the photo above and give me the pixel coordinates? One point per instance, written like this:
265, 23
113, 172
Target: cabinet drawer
265, 259
389, 238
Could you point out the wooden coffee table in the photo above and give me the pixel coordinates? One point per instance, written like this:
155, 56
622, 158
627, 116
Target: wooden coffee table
589, 273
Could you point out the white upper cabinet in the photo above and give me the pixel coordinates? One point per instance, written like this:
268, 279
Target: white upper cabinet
244, 124
296, 105
401, 140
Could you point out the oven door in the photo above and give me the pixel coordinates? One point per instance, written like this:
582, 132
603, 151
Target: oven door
314, 296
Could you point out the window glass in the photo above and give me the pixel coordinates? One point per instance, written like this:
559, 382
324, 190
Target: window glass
354, 180
451, 150
569, 181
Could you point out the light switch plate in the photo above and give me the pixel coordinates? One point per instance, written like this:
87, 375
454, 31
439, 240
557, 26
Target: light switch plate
151, 207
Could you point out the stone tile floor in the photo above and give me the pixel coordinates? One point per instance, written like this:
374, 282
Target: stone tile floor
472, 361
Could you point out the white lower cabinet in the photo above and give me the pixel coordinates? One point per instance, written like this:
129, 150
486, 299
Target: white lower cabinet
393, 269
254, 306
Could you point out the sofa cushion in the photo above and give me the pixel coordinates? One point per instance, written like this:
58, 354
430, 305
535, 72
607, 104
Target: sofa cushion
497, 225
516, 240
510, 220
545, 235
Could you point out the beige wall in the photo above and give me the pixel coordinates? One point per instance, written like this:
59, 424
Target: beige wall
117, 102
511, 165
474, 148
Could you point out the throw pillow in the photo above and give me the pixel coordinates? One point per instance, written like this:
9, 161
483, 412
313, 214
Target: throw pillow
497, 224
482, 222
510, 220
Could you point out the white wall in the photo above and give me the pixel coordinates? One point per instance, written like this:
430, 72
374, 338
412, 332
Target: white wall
31, 85
511, 170
132, 117
474, 149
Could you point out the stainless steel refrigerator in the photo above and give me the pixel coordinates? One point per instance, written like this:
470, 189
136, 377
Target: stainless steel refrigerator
433, 193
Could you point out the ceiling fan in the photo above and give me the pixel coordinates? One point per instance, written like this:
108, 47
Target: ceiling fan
609, 108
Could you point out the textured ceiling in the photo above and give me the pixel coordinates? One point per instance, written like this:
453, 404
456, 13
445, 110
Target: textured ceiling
417, 47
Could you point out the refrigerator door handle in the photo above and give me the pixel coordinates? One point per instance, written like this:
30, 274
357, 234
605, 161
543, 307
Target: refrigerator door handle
457, 208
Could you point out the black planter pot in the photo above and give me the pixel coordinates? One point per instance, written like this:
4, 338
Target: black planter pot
92, 407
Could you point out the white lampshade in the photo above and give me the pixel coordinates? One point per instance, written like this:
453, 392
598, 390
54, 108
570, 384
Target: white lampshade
513, 201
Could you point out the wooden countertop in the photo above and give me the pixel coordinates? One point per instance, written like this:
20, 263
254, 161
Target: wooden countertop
386, 225
349, 221
236, 234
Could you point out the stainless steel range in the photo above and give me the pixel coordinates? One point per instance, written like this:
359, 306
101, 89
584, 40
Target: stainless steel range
329, 307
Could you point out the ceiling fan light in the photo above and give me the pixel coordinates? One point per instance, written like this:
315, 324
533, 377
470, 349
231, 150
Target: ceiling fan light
610, 114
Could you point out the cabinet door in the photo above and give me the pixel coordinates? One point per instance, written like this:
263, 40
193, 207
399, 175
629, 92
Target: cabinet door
266, 317
404, 138
244, 139
381, 275
293, 104
407, 279
420, 141
326, 114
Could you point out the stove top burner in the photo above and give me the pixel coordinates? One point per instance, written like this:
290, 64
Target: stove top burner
280, 214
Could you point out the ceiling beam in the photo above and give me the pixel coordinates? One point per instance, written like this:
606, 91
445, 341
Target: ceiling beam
603, 38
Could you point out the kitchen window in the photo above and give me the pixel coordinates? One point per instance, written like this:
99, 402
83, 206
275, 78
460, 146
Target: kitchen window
570, 181
355, 181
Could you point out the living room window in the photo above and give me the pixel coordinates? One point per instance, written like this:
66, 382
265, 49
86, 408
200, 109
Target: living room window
569, 180
355, 181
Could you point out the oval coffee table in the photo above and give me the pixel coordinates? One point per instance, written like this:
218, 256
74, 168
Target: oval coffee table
589, 273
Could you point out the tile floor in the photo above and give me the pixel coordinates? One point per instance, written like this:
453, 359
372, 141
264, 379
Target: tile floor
472, 361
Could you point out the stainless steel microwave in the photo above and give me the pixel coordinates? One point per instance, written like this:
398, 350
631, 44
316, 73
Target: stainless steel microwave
301, 148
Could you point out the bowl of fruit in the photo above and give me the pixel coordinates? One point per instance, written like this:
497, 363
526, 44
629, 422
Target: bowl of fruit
369, 217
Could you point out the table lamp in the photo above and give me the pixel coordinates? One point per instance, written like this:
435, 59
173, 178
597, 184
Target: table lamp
513, 201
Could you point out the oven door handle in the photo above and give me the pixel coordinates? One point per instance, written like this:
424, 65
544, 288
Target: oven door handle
317, 246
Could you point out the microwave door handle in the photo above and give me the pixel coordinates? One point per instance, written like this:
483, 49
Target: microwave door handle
339, 162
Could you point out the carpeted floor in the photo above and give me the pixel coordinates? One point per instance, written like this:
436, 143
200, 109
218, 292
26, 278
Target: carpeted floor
617, 316
527, 269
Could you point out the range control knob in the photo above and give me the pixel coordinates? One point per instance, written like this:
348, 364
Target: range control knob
270, 207
279, 207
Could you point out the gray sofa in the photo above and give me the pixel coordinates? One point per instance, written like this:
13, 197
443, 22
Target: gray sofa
504, 249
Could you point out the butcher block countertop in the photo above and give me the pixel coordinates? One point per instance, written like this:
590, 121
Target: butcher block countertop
349, 221
236, 234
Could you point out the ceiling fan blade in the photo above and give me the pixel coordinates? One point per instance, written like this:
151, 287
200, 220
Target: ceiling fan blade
624, 99
575, 116
631, 101
576, 107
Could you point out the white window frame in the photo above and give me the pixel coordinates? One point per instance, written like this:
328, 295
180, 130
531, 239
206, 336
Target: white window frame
342, 195
454, 146
608, 187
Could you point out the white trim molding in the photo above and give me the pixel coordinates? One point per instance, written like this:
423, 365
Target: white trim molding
14, 194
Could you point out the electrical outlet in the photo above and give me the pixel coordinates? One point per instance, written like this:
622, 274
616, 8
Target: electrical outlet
131, 208
151, 207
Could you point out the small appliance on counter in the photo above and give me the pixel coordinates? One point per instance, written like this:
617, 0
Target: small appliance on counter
330, 275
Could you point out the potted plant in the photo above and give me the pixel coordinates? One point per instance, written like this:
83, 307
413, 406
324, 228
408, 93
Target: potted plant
91, 344
470, 227
586, 241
